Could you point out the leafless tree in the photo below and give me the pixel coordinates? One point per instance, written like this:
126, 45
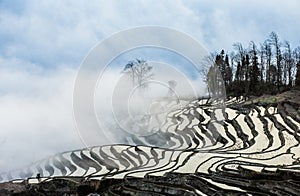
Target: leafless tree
274, 39
140, 72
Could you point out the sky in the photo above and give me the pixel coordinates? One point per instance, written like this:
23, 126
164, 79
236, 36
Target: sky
43, 43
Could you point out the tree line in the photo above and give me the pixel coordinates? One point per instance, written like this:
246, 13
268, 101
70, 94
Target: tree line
267, 68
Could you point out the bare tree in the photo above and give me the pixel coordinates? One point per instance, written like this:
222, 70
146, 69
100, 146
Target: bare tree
288, 63
240, 51
207, 62
275, 42
296, 54
140, 72
268, 53
262, 62
240, 58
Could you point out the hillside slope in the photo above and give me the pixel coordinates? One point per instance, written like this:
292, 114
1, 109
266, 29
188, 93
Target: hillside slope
252, 147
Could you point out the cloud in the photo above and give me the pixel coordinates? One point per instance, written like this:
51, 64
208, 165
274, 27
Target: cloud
49, 32
36, 107
36, 113
228, 22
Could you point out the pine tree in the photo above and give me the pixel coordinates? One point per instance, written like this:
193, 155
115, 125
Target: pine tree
297, 81
228, 71
238, 72
254, 77
254, 72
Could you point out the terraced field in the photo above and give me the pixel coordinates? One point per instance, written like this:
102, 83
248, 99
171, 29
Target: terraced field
245, 149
